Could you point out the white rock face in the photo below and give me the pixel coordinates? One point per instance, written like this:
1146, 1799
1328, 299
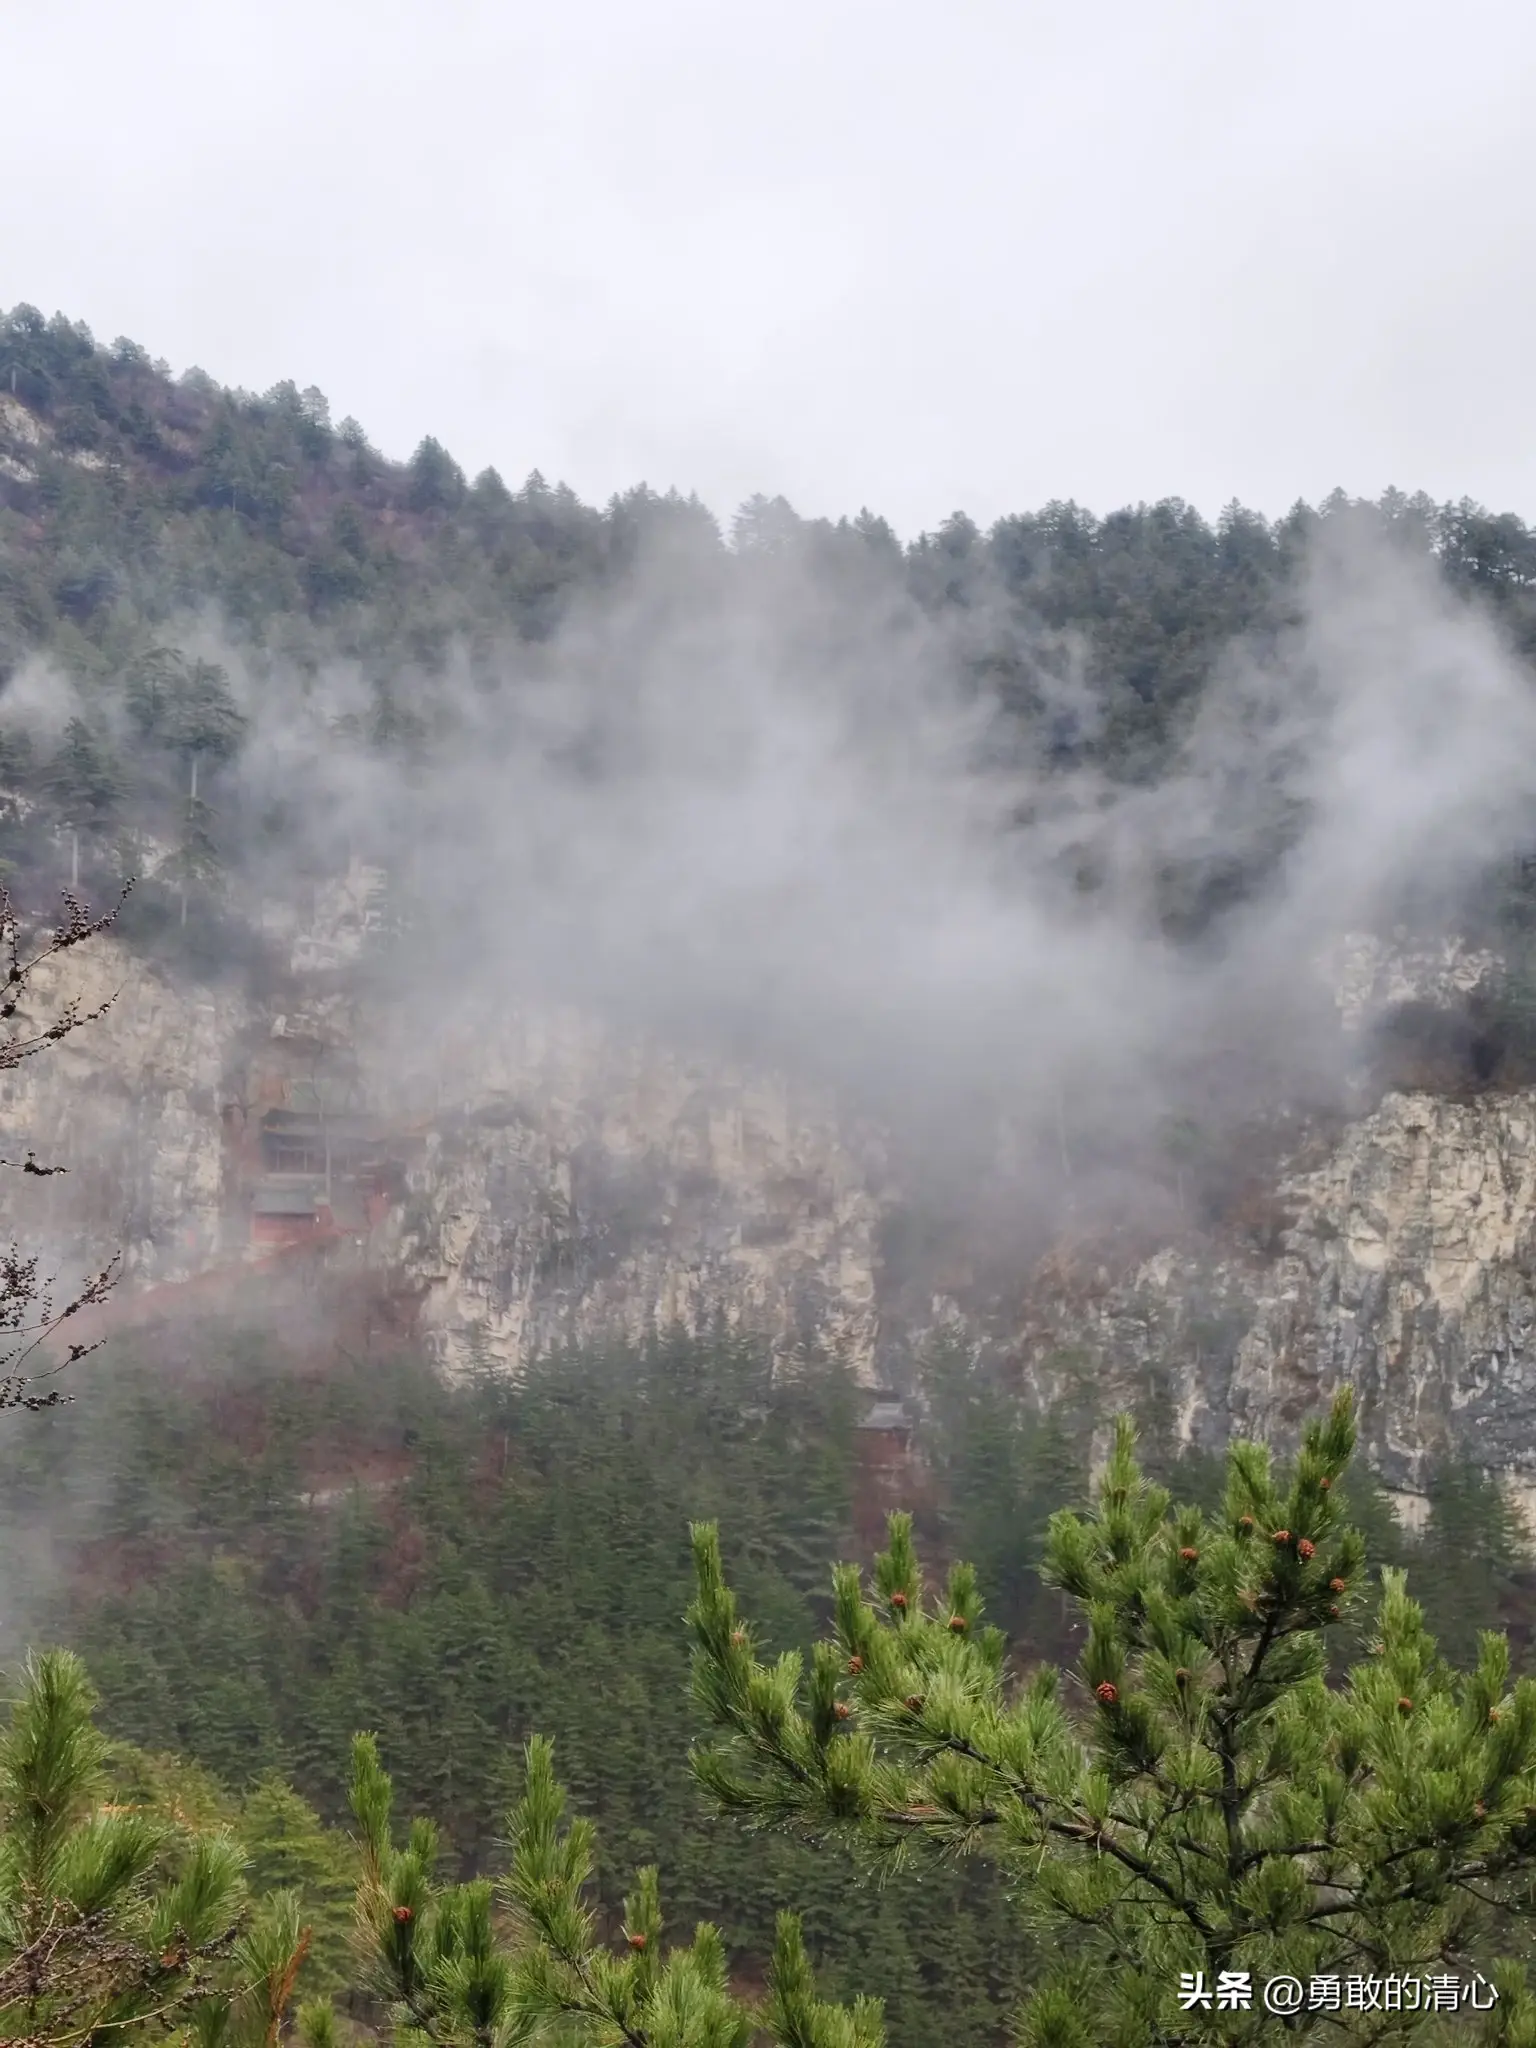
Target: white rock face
23, 434
1410, 1274
1397, 1256
572, 1184
347, 911
1406, 1268
1370, 974
20, 424
129, 1105
560, 1183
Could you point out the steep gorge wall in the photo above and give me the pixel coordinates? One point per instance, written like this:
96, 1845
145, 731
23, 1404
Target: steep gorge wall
1405, 1266
571, 1184
563, 1184
128, 1106
558, 1185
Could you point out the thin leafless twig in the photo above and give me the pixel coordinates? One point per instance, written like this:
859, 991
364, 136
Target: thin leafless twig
29, 1318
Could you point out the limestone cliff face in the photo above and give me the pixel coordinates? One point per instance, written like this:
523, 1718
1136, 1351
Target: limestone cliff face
1370, 973
1397, 1254
1406, 1266
1411, 1271
129, 1106
559, 1183
574, 1185
556, 1183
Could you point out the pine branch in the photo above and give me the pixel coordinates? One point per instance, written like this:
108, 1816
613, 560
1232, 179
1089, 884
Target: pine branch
1241, 1804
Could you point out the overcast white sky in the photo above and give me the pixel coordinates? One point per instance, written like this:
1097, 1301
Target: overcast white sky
917, 254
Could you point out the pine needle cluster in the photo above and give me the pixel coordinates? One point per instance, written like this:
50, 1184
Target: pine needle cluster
1196, 1797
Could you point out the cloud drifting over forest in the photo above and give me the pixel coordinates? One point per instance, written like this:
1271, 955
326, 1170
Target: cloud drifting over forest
759, 811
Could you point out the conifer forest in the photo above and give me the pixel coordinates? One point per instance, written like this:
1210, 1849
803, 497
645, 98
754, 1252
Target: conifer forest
766, 1284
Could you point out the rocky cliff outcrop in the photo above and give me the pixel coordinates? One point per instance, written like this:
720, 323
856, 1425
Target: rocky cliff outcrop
560, 1183
554, 1182
1395, 1252
1406, 1266
129, 1107
574, 1185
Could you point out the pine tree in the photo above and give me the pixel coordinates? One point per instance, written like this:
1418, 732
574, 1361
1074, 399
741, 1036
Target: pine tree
449, 1972
289, 1850
114, 1922
85, 779
1210, 1805
1472, 1550
553, 1517
436, 482
1003, 1469
183, 706
195, 864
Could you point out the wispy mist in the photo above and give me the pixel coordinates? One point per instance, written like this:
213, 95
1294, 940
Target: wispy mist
767, 813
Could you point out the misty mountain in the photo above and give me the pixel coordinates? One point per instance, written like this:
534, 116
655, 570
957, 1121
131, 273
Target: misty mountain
1037, 858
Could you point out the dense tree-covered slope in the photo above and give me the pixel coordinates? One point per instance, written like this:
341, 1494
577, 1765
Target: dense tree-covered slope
257, 1561
144, 517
